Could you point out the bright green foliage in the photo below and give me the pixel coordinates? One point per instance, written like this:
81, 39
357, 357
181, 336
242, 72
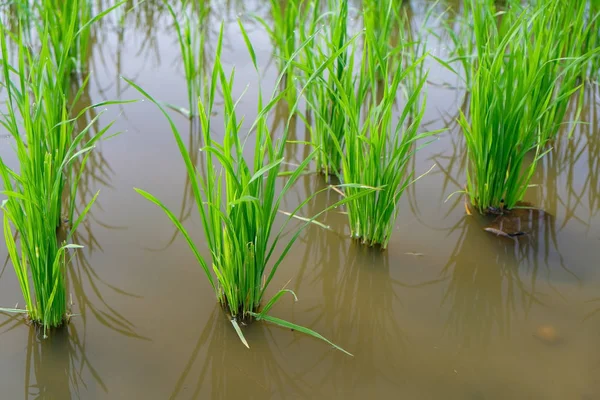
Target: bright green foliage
286, 20
289, 20
37, 116
328, 129
46, 147
191, 35
386, 28
568, 31
592, 39
379, 147
571, 30
68, 25
35, 195
377, 143
70, 33
573, 26
239, 200
519, 96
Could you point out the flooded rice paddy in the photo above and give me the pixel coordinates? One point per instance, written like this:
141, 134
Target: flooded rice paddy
449, 311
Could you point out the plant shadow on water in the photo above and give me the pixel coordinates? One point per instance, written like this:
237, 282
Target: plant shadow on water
82, 278
56, 367
511, 264
358, 304
494, 281
451, 162
500, 294
258, 371
367, 291
187, 202
485, 295
263, 370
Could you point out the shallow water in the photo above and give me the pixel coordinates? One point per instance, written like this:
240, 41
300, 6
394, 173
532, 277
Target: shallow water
448, 311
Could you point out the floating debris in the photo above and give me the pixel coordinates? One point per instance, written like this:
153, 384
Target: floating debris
499, 232
522, 220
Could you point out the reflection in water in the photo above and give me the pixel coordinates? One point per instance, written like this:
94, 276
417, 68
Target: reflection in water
188, 202
451, 162
595, 311
323, 247
96, 171
575, 159
220, 368
84, 280
57, 367
81, 277
57, 381
494, 280
358, 307
362, 312
142, 17
484, 295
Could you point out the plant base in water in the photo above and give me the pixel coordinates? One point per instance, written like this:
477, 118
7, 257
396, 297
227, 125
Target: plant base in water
364, 241
243, 320
38, 325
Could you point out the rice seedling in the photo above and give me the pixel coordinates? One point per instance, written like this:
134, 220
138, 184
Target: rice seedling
383, 20
334, 40
37, 119
378, 152
518, 99
460, 35
238, 205
71, 23
191, 35
571, 30
286, 17
285, 22
70, 33
291, 22
593, 39
566, 27
377, 145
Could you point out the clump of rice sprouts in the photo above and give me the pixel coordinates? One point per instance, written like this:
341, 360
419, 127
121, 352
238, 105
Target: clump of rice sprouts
519, 96
239, 200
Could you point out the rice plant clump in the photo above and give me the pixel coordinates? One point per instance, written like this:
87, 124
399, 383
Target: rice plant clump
37, 118
518, 99
238, 201
289, 20
191, 35
570, 31
379, 140
71, 30
333, 44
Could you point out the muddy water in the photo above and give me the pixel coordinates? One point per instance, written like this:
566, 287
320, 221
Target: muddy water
448, 312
